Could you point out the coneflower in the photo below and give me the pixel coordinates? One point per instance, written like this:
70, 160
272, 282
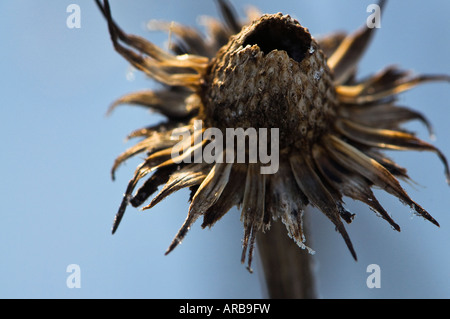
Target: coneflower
269, 73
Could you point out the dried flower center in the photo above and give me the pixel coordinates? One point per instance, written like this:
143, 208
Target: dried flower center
271, 75
275, 34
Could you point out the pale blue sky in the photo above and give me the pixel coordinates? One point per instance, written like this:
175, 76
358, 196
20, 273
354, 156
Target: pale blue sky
58, 148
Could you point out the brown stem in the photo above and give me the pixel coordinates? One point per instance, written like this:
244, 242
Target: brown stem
287, 268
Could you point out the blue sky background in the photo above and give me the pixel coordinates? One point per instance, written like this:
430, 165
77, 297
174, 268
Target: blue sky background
58, 200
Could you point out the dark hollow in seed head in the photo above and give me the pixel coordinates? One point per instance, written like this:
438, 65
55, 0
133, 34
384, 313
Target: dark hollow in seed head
280, 34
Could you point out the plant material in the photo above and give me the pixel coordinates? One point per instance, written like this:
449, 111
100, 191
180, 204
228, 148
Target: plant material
269, 72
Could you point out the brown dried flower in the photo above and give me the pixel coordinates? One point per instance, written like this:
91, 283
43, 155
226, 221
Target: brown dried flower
270, 73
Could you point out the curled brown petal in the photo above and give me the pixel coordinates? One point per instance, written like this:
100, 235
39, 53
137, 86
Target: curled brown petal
166, 102
190, 175
355, 161
252, 210
355, 94
231, 196
345, 58
388, 139
350, 184
318, 194
209, 191
387, 116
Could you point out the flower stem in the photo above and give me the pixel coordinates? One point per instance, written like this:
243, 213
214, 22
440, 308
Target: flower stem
287, 268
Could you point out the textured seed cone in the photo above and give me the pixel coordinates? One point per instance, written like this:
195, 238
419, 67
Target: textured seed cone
271, 75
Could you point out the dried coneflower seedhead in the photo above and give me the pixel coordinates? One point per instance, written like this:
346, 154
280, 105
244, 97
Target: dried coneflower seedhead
269, 73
